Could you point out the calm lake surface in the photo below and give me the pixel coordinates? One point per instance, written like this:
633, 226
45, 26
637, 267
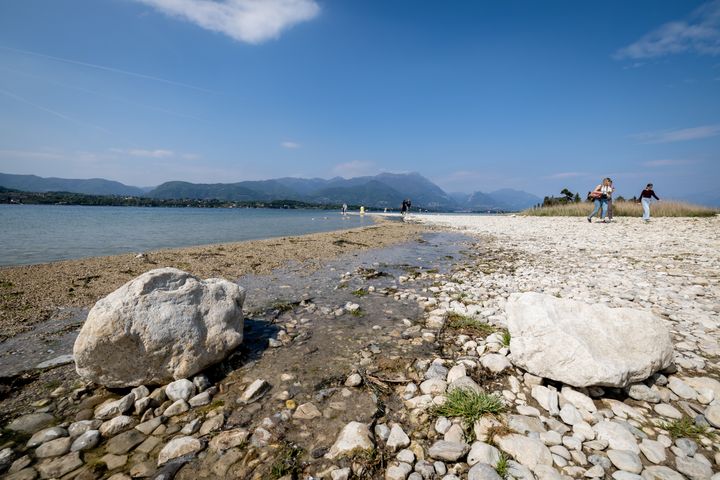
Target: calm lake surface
46, 233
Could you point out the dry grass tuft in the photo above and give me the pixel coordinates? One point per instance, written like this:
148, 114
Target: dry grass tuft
625, 209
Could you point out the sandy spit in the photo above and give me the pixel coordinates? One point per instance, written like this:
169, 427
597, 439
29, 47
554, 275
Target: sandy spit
34, 293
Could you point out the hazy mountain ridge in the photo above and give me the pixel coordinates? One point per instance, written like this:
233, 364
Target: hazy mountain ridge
92, 186
386, 190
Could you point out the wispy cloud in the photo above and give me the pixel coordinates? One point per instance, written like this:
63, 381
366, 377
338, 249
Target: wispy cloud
666, 163
355, 168
290, 145
561, 175
699, 33
55, 113
250, 21
151, 153
681, 135
107, 69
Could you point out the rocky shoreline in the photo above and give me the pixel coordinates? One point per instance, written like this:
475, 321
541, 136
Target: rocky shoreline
405, 371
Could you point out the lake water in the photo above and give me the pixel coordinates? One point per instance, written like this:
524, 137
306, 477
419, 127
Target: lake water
45, 233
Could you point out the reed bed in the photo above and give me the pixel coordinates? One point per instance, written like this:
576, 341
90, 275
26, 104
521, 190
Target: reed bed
625, 209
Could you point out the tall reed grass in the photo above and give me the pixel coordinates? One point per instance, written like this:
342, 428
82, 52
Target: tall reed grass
625, 209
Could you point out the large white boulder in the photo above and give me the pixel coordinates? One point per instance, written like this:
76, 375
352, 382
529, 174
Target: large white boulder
583, 345
162, 326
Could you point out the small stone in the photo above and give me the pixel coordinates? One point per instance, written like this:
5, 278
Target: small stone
229, 439
398, 438
179, 447
653, 450
406, 456
681, 389
482, 471
201, 382
495, 362
57, 467
340, 474
668, 411
212, 424
31, 423
124, 442
200, 399
86, 441
46, 435
114, 408
78, 428
397, 471
688, 446
114, 461
140, 392
148, 427
433, 386
481, 452
178, 407
181, 389
448, 451
354, 380
116, 425
307, 411
354, 437
54, 448
382, 431
712, 415
660, 472
254, 391
191, 427
693, 468
625, 460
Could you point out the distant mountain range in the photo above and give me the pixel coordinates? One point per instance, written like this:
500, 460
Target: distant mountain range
386, 190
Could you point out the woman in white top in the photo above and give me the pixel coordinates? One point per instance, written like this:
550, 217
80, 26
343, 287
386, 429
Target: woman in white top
600, 195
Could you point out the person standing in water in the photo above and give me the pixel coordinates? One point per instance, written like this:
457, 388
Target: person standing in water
344, 208
645, 198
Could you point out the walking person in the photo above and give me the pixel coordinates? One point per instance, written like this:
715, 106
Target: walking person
344, 208
610, 200
600, 197
404, 208
646, 197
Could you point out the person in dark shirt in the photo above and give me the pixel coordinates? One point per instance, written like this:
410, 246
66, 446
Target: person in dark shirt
645, 198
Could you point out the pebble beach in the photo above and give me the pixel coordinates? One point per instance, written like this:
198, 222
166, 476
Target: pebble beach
354, 375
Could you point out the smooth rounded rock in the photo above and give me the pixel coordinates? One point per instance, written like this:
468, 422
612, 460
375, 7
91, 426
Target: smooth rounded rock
584, 345
161, 326
179, 447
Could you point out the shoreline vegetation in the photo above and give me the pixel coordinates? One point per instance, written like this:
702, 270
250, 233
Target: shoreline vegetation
623, 209
30, 294
16, 197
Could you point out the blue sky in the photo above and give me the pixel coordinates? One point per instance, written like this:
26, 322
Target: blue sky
474, 95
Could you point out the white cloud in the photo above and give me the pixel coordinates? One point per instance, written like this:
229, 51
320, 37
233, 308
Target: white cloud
355, 168
665, 163
699, 33
150, 153
561, 175
681, 135
250, 21
290, 145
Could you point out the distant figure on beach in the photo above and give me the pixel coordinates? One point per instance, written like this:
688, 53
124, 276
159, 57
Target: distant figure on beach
600, 196
405, 208
362, 210
646, 197
344, 208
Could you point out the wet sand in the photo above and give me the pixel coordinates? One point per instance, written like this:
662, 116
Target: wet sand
35, 293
